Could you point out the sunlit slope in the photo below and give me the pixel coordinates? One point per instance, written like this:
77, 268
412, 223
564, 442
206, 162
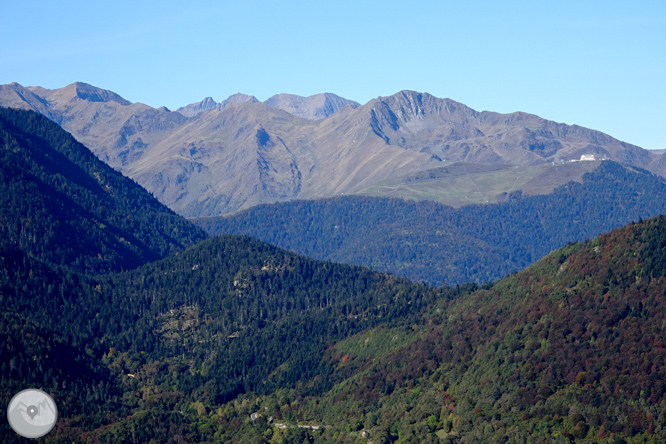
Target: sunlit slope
570, 350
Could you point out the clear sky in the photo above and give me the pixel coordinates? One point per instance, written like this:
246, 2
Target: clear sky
599, 64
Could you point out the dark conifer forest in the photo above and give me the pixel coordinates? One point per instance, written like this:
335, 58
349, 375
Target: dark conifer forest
64, 206
145, 330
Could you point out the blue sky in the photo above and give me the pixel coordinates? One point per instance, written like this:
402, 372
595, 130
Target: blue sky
599, 64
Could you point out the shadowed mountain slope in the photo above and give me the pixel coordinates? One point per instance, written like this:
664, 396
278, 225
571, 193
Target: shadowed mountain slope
64, 206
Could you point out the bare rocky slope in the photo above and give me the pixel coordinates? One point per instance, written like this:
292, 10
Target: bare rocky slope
213, 159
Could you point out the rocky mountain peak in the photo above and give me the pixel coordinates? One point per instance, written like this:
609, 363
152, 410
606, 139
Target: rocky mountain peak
15, 95
315, 107
410, 104
209, 104
91, 93
193, 109
239, 98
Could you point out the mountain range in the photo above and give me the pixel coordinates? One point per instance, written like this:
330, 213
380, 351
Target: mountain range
229, 339
315, 107
212, 159
78, 295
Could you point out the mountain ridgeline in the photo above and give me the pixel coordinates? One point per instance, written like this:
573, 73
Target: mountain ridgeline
64, 206
144, 330
214, 158
428, 241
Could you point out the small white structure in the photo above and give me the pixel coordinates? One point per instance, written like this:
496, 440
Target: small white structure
586, 157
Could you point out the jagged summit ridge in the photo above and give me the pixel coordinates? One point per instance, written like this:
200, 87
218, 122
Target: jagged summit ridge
91, 93
315, 107
239, 98
209, 104
193, 109
79, 90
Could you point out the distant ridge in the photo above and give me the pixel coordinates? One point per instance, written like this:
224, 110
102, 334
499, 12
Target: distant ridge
17, 96
91, 93
315, 107
222, 159
78, 90
209, 104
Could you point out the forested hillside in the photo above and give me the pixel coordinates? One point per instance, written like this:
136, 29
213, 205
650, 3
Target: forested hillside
61, 204
426, 241
236, 340
229, 316
222, 318
251, 316
570, 350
